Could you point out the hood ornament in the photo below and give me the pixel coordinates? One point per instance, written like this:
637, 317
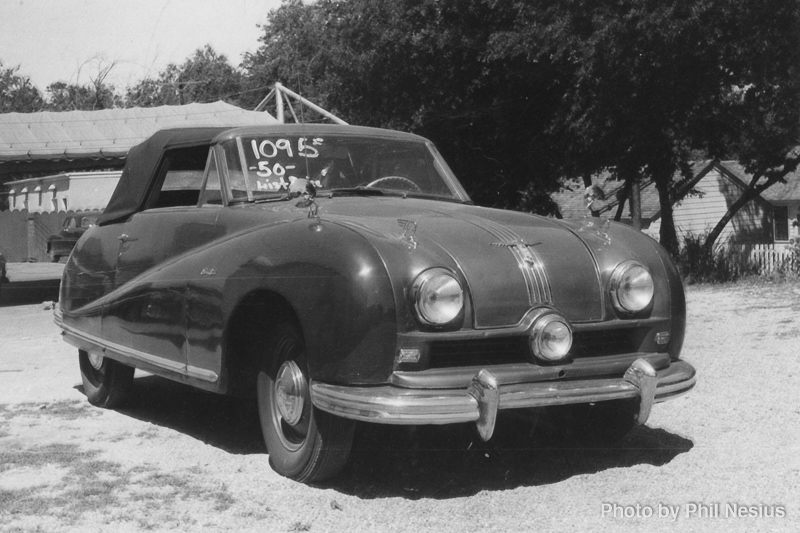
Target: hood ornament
304, 188
598, 227
595, 196
409, 233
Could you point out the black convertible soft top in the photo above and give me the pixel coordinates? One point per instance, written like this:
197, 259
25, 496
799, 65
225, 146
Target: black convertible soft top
143, 159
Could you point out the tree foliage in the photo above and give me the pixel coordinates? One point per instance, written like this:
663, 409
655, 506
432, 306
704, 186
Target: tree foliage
519, 95
17, 93
422, 66
206, 76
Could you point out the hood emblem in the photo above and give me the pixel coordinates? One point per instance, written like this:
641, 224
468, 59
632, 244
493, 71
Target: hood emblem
532, 268
523, 248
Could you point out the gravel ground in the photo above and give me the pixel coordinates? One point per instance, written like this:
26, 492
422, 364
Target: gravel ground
724, 457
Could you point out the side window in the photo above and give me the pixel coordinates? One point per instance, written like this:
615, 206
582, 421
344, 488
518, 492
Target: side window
212, 189
180, 178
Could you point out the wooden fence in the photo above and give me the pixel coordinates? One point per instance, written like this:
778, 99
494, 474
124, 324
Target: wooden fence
765, 258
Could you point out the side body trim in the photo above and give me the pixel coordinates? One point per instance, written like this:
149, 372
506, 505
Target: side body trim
81, 339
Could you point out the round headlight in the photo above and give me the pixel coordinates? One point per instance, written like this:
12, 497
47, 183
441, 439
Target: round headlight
631, 287
438, 296
551, 338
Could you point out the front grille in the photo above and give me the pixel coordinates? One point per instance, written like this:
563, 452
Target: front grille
479, 352
509, 350
605, 342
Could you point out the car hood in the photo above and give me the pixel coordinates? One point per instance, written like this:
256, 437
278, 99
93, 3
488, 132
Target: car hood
511, 261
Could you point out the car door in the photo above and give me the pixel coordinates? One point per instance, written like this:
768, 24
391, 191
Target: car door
147, 314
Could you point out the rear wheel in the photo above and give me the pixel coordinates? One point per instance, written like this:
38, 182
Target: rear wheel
304, 443
106, 382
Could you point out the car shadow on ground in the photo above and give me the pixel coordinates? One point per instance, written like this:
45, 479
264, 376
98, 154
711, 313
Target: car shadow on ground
438, 462
225, 422
444, 462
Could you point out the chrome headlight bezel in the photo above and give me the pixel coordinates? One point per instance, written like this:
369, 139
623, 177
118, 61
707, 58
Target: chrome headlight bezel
550, 324
438, 298
632, 287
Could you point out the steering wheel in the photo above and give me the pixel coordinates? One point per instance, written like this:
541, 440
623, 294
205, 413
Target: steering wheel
405, 184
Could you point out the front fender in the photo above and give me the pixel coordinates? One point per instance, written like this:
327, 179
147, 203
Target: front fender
333, 279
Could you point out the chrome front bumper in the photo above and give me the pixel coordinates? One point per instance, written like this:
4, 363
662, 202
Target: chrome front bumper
484, 397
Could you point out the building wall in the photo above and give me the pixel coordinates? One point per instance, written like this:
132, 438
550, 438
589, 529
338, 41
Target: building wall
39, 206
79, 191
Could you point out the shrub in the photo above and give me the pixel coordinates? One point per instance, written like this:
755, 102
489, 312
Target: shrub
717, 265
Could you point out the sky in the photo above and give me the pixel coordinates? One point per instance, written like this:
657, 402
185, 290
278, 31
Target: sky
71, 40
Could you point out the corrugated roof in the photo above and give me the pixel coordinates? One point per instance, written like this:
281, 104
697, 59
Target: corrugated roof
107, 133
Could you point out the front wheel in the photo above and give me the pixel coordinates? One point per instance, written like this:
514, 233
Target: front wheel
303, 442
106, 382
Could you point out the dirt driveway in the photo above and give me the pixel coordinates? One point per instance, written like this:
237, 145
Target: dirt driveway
725, 457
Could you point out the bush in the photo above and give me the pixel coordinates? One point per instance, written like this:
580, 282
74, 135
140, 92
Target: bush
700, 265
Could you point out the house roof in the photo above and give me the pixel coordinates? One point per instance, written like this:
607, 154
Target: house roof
784, 192
107, 133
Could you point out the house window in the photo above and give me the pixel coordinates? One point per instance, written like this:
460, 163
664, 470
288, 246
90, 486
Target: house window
781, 221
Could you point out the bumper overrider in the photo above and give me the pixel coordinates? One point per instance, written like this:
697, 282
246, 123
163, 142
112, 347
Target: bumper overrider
481, 400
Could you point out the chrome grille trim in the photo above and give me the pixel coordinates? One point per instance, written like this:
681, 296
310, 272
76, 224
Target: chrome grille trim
530, 263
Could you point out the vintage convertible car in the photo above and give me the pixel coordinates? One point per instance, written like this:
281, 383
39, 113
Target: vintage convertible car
341, 274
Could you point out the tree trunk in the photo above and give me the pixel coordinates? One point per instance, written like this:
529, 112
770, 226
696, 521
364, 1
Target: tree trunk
666, 236
622, 199
636, 205
747, 195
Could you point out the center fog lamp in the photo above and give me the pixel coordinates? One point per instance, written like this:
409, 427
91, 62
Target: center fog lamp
632, 287
438, 297
551, 338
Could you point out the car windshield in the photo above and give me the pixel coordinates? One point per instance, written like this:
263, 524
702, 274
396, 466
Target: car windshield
264, 166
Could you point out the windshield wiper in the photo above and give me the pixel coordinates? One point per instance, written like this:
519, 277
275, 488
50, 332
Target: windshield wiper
262, 200
357, 191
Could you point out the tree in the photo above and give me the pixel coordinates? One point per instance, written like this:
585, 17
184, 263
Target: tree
93, 96
422, 66
521, 94
204, 77
17, 93
759, 116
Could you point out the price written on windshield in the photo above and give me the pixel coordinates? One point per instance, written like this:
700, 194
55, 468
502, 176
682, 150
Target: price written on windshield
266, 150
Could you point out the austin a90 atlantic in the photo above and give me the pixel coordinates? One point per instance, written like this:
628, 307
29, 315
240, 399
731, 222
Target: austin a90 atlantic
338, 274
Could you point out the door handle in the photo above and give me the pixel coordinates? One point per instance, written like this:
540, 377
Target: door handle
126, 238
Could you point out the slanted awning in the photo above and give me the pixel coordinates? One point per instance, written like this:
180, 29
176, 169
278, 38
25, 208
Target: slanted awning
109, 133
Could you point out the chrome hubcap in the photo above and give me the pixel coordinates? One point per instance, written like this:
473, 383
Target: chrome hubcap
290, 392
96, 361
